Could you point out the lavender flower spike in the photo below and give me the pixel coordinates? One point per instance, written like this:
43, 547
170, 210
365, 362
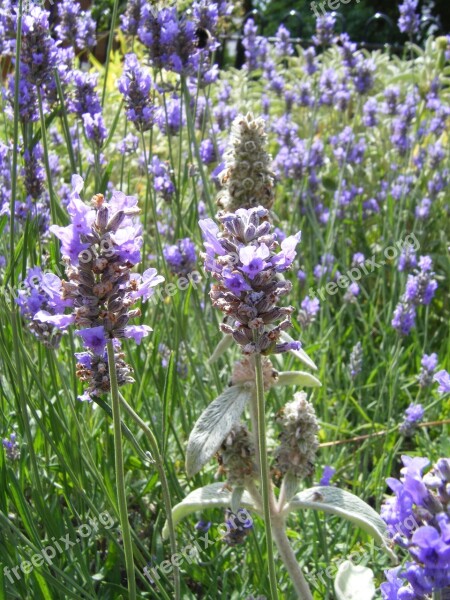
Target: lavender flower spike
101, 245
243, 259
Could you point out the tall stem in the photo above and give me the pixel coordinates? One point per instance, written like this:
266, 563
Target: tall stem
46, 160
164, 486
266, 489
290, 561
120, 475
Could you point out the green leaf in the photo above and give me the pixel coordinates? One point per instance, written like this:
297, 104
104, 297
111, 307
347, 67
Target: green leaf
354, 582
297, 378
210, 496
214, 424
300, 354
225, 343
344, 504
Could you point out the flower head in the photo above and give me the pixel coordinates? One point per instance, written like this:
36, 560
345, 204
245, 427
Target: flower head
102, 244
298, 438
243, 259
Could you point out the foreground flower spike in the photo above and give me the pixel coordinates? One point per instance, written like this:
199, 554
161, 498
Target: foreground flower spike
243, 259
418, 520
247, 179
100, 247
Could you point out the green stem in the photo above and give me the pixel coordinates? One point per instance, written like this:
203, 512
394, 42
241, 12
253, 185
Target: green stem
12, 207
266, 489
290, 562
159, 463
120, 474
109, 47
46, 161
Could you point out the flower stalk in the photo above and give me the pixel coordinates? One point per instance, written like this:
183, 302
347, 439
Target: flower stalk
268, 500
120, 474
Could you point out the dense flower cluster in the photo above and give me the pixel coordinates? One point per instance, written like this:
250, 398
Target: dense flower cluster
246, 179
173, 40
243, 260
443, 378
298, 438
11, 447
41, 292
236, 456
418, 520
420, 289
39, 53
409, 19
135, 84
181, 257
413, 415
428, 366
100, 247
76, 27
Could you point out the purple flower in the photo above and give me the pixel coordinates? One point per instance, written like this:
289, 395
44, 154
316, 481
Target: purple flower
181, 257
75, 27
283, 44
94, 338
409, 19
407, 259
253, 259
39, 53
242, 258
327, 475
129, 21
308, 311
413, 415
443, 378
95, 129
325, 29
102, 244
11, 447
137, 332
135, 85
404, 318
255, 46
429, 364
394, 583
235, 282
85, 99
146, 283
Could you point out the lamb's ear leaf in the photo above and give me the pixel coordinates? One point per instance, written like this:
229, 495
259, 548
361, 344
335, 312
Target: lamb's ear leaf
214, 424
225, 343
300, 354
297, 378
210, 496
346, 505
354, 582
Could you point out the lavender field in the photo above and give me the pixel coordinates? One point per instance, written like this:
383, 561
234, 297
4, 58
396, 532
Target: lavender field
224, 305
